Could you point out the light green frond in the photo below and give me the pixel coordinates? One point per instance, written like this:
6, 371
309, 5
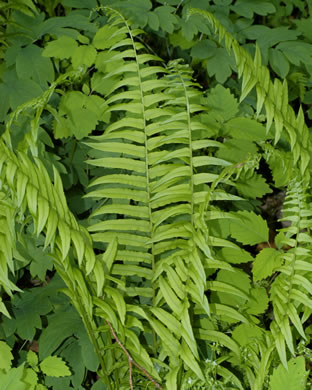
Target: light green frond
46, 203
290, 292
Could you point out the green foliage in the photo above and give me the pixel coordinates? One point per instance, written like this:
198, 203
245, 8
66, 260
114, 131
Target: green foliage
28, 375
138, 246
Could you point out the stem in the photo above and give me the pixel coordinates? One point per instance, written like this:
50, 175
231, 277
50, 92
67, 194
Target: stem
131, 361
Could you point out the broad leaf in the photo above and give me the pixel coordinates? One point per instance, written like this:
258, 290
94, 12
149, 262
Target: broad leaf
292, 379
249, 228
54, 366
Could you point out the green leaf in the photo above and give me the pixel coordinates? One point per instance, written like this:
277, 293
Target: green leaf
87, 353
220, 65
266, 262
62, 47
30, 377
153, 21
305, 27
249, 228
167, 19
171, 378
222, 103
169, 295
177, 39
189, 359
30, 64
235, 256
32, 358
20, 90
51, 338
237, 150
204, 49
258, 302
233, 287
82, 115
245, 334
28, 309
54, 366
245, 128
278, 62
219, 337
40, 264
83, 55
252, 187
268, 37
106, 37
12, 380
292, 379
169, 341
6, 356
247, 8
99, 385
296, 52
4, 102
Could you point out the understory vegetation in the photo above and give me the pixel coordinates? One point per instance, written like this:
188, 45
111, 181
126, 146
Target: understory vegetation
155, 194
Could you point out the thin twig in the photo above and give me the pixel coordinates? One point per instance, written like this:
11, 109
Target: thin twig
131, 361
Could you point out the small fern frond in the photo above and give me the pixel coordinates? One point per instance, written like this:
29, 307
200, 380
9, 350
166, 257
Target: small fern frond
7, 247
291, 290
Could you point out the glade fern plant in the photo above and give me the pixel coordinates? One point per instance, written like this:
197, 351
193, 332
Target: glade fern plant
153, 273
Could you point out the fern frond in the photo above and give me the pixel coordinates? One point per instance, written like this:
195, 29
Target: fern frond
7, 239
155, 181
26, 190
273, 95
30, 186
291, 290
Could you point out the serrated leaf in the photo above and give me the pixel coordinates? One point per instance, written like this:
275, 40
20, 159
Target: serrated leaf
296, 52
249, 228
54, 366
222, 103
245, 128
247, 8
292, 379
245, 334
32, 358
258, 302
267, 260
27, 311
30, 64
84, 55
220, 65
252, 187
167, 18
12, 380
204, 49
62, 47
6, 356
